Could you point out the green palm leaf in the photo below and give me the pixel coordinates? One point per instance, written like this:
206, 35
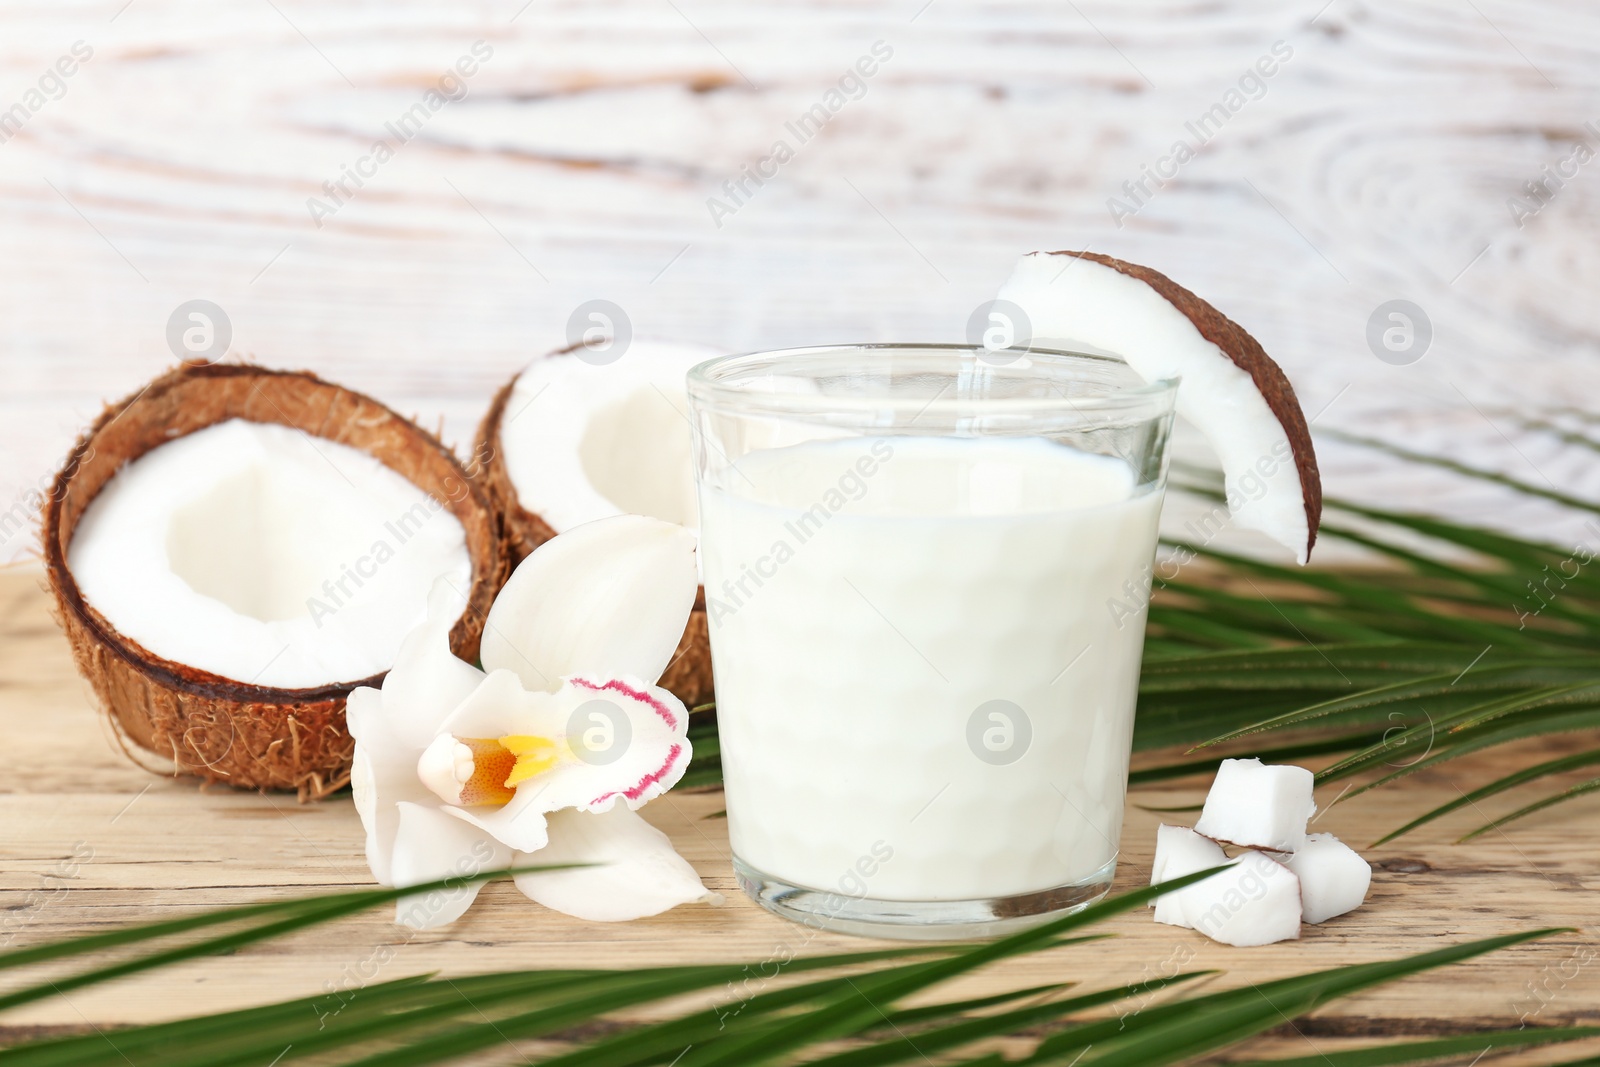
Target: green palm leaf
1591, 786
428, 1019
1452, 659
1500, 785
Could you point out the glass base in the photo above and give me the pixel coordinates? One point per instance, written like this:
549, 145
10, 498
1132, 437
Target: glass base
920, 920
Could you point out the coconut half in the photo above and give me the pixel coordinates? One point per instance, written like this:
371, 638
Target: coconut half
567, 441
233, 550
1231, 390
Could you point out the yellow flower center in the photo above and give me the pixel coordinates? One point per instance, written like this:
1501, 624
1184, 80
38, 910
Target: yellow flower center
534, 756
499, 765
492, 763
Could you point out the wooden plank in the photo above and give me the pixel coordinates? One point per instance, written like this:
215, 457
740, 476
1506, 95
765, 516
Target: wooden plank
92, 841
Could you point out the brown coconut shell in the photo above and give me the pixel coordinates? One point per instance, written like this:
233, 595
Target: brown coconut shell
1248, 355
688, 676
219, 729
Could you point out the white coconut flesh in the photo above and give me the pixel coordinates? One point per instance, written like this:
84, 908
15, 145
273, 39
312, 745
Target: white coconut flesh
1264, 896
583, 441
1333, 877
1259, 805
1081, 304
263, 555
1180, 851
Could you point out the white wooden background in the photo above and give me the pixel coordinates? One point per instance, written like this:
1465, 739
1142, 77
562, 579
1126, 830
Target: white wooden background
1378, 165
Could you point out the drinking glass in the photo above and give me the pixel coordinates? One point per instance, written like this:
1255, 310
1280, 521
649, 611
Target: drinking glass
926, 571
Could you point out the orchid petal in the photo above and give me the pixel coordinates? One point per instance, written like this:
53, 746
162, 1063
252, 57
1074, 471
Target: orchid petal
629, 742
607, 598
427, 680
637, 871
519, 824
430, 845
501, 705
382, 773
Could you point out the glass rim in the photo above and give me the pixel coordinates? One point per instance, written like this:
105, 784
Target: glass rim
711, 383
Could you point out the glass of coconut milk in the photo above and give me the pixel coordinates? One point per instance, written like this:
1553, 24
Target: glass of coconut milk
926, 570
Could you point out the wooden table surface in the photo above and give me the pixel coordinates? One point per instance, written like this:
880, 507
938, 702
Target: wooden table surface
90, 841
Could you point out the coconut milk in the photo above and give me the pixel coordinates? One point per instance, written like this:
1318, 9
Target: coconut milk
927, 657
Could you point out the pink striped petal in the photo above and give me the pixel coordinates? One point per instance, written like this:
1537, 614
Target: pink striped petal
628, 742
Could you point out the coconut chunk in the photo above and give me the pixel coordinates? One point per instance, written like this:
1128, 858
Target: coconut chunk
1254, 902
1333, 877
1232, 391
1257, 805
1180, 851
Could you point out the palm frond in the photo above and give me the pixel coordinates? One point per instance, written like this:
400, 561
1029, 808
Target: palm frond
857, 1001
1583, 789
1399, 669
1499, 785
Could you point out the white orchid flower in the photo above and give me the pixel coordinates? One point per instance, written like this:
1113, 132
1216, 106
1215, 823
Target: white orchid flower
547, 756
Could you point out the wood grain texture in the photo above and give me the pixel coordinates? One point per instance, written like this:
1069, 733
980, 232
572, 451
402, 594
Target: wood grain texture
90, 841
1377, 163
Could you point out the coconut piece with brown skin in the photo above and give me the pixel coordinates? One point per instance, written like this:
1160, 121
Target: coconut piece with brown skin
572, 438
1231, 390
210, 724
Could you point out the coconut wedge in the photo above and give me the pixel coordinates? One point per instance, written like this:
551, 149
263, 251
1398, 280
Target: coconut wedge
567, 442
1231, 391
212, 722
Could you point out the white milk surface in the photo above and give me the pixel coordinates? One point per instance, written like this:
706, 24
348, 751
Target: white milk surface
870, 601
